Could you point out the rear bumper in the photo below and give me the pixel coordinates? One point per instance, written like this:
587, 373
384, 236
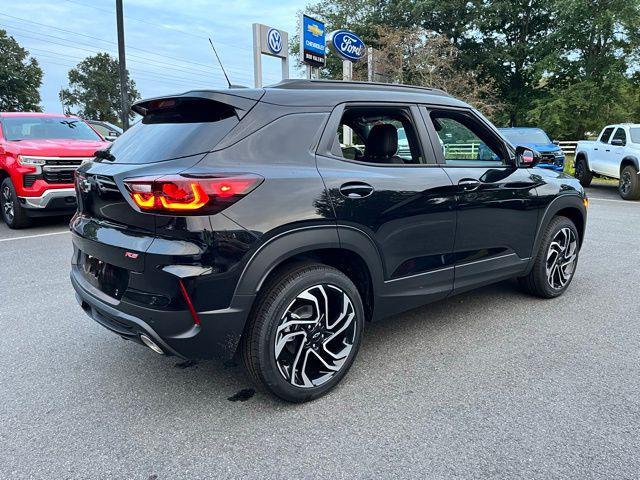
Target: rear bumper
51, 202
217, 336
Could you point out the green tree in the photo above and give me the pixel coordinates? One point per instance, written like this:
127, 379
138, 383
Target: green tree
20, 77
94, 88
592, 73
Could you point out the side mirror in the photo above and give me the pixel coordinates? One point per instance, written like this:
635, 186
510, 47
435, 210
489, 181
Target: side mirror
113, 134
527, 157
617, 142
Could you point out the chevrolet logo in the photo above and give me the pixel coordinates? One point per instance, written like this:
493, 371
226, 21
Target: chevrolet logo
315, 30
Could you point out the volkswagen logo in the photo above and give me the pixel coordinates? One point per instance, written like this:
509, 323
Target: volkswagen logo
274, 39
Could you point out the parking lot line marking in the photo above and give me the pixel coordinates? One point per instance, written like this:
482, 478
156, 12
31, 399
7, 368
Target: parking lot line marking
32, 236
612, 200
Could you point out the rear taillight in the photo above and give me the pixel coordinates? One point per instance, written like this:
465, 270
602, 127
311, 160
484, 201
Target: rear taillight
190, 195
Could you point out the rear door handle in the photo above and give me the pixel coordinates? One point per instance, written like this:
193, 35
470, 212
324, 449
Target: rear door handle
356, 190
469, 184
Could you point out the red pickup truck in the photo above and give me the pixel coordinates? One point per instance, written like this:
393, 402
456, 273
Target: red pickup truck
39, 153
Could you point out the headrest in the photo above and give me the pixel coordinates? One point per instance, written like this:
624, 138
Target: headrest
382, 141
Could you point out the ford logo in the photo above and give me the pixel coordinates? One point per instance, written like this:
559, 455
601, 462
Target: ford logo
347, 45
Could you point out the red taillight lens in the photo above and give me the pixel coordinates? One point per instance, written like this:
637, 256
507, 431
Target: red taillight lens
198, 195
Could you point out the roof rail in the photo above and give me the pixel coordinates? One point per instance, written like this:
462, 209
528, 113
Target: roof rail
303, 84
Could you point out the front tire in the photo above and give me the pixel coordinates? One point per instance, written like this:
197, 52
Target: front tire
304, 333
13, 214
556, 260
582, 172
629, 186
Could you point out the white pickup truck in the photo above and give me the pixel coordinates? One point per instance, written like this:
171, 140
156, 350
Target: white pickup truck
615, 154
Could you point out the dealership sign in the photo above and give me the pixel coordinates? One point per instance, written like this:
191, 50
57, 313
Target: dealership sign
347, 45
272, 41
312, 41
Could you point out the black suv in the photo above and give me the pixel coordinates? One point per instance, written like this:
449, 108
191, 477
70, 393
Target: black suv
274, 223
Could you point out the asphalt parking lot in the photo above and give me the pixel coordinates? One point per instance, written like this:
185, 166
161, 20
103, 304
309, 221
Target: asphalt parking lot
489, 384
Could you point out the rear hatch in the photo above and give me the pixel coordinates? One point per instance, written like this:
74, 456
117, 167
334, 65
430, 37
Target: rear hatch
174, 134
115, 241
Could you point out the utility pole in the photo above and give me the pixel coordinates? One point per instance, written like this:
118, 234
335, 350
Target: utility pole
124, 96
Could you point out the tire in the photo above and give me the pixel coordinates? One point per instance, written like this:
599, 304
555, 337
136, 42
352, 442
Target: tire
273, 352
13, 214
582, 172
552, 272
629, 186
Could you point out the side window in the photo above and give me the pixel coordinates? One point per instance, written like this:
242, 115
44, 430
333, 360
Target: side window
465, 141
606, 134
381, 135
620, 135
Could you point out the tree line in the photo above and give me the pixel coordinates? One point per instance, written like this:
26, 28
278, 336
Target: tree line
568, 66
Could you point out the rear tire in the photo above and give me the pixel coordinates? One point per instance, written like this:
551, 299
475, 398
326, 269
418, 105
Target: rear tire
304, 332
629, 186
582, 172
556, 261
13, 214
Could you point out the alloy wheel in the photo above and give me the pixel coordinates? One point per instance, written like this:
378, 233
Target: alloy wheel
315, 336
625, 183
7, 203
561, 258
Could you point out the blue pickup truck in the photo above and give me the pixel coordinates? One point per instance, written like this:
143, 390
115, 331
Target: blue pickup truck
537, 139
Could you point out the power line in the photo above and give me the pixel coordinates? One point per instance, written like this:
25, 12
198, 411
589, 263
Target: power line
147, 60
71, 32
159, 75
145, 76
210, 75
168, 27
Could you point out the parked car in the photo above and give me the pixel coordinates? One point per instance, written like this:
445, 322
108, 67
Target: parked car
615, 154
230, 222
537, 139
107, 130
39, 154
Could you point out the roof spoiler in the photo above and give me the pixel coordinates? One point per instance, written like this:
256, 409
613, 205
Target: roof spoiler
242, 101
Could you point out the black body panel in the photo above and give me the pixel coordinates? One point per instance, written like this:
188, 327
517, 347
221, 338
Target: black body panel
419, 235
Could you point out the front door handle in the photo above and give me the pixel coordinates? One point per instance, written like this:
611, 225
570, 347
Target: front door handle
356, 190
469, 184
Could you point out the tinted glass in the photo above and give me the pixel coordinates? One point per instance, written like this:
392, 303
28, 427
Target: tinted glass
520, 137
42, 128
357, 124
634, 133
606, 134
620, 135
184, 129
464, 141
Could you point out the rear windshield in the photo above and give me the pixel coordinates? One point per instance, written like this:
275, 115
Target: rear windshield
43, 128
176, 128
518, 137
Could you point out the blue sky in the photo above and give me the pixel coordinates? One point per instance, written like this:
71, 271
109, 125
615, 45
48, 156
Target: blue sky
167, 46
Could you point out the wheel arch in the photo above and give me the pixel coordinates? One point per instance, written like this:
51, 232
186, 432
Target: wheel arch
348, 250
629, 160
569, 205
582, 155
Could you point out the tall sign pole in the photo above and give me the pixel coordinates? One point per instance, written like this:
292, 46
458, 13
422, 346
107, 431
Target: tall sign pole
269, 41
313, 50
124, 96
